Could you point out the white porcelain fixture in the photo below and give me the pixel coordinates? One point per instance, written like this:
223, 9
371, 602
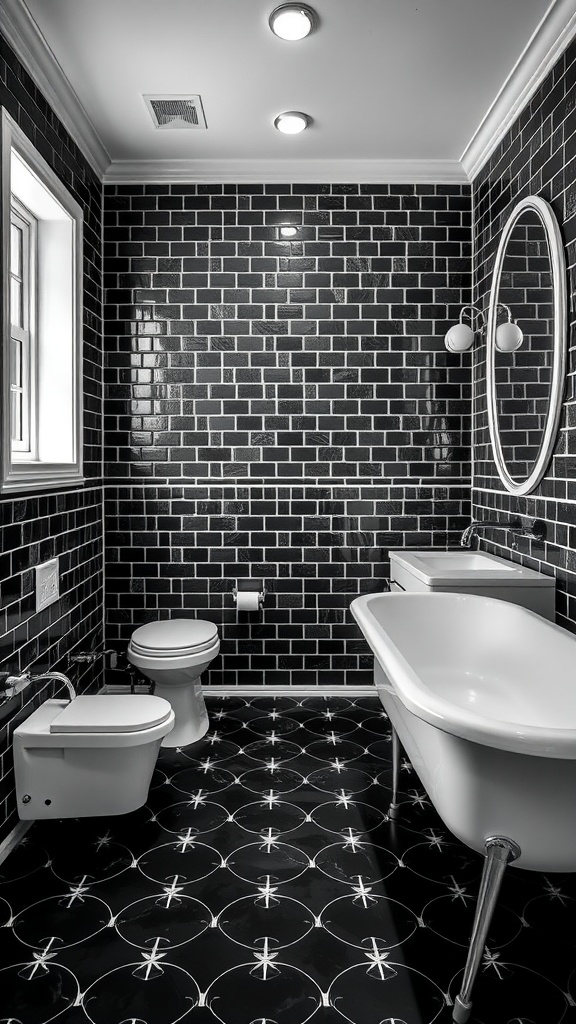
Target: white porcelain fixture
473, 572
174, 653
90, 756
481, 695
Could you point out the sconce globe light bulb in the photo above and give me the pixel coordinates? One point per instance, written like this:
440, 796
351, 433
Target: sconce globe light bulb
459, 338
509, 337
291, 122
292, 21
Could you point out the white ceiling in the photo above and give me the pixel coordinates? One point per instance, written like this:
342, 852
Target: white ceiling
403, 83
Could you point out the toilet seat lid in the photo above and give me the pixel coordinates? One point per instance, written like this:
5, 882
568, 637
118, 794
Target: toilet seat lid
120, 712
174, 636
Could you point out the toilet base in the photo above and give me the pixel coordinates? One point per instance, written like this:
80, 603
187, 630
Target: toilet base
190, 710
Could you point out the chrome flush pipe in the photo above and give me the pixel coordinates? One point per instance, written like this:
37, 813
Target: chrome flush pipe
11, 685
58, 677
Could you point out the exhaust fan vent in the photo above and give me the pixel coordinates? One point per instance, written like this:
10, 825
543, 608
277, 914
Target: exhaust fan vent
176, 111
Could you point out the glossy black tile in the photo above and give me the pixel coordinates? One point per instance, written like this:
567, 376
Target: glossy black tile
264, 882
535, 157
242, 360
67, 524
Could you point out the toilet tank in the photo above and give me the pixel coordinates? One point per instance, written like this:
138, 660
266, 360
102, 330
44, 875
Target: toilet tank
473, 572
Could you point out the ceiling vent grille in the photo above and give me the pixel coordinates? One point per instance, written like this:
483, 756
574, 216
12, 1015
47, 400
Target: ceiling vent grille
176, 112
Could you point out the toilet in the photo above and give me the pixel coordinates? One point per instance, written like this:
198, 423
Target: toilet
93, 755
174, 653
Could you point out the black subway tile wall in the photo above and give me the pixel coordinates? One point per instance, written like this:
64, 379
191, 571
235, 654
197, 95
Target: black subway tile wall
36, 527
280, 408
536, 157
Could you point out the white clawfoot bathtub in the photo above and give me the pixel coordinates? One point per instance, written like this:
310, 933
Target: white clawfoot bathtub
482, 695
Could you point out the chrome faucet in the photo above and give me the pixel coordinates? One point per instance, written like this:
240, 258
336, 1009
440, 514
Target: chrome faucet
10, 685
479, 525
533, 531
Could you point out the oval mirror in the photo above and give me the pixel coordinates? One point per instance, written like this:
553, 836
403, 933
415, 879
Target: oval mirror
525, 383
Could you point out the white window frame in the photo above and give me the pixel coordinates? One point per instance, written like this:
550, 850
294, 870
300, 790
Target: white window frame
26, 334
55, 381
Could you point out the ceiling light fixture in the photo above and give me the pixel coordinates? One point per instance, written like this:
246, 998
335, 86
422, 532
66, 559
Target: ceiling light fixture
291, 122
292, 21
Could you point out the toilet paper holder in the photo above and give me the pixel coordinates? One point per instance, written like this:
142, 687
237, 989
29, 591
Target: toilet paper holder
249, 595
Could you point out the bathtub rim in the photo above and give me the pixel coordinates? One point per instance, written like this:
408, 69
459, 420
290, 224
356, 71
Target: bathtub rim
439, 711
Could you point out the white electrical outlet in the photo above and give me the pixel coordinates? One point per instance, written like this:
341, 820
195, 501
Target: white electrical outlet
47, 584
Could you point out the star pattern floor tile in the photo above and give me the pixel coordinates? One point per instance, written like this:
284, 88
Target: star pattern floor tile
263, 883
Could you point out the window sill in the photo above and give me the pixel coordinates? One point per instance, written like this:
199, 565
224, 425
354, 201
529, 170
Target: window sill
40, 476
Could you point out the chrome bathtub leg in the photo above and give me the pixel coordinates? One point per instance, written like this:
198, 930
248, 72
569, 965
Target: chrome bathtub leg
500, 851
394, 808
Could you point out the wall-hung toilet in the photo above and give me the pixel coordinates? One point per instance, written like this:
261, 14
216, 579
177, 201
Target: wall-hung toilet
174, 653
93, 755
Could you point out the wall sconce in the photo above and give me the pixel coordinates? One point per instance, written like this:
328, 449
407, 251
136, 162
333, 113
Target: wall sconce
460, 337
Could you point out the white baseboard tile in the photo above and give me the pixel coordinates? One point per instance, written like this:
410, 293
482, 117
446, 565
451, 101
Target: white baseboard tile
290, 691
265, 691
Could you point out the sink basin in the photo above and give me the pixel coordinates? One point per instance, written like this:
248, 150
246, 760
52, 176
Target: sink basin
464, 561
432, 567
473, 572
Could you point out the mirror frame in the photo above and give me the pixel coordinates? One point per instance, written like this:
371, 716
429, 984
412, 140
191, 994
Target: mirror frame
558, 262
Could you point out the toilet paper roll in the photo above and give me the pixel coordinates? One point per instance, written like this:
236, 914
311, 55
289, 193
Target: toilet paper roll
248, 601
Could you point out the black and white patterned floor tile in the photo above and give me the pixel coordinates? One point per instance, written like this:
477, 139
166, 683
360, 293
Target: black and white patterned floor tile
263, 883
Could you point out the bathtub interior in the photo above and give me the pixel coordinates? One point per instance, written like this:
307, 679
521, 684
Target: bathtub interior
487, 657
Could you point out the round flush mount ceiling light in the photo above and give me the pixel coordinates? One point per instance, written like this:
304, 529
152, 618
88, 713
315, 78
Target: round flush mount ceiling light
291, 122
292, 21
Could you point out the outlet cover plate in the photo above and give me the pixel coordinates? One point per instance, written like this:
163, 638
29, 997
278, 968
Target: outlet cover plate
47, 584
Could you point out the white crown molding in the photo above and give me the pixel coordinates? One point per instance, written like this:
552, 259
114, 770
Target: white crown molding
545, 46
551, 37
239, 171
22, 33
